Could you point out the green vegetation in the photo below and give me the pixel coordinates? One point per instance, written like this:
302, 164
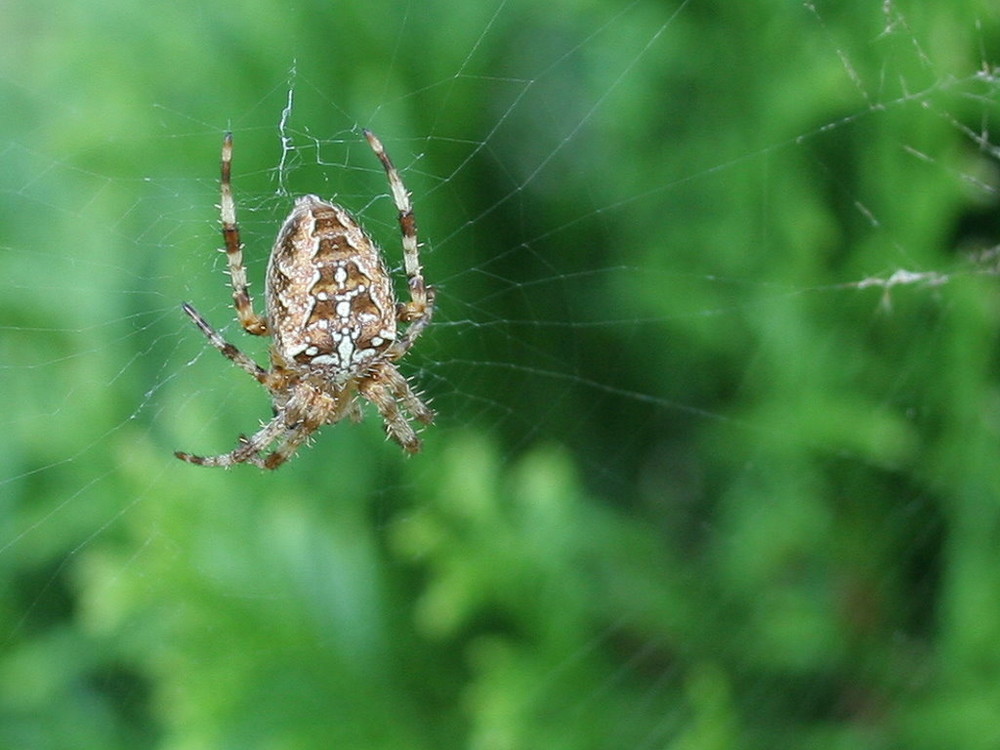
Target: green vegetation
697, 482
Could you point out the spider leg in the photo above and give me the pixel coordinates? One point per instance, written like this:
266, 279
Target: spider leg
305, 414
418, 309
251, 321
293, 439
400, 389
247, 452
229, 351
402, 345
396, 424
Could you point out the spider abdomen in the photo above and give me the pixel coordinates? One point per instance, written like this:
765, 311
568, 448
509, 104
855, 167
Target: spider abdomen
329, 297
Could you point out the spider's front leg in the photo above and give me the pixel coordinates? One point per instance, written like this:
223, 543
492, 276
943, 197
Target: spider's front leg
387, 389
248, 451
251, 447
306, 411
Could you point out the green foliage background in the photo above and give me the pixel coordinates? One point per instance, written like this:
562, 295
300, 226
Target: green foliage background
691, 485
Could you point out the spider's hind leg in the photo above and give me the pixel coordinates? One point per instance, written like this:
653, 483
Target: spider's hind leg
252, 322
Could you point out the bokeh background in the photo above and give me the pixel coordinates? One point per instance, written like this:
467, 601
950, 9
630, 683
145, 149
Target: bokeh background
716, 364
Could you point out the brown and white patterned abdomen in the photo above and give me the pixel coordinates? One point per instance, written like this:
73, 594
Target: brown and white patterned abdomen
330, 301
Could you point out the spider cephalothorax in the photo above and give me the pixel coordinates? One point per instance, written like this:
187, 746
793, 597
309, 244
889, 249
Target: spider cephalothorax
333, 320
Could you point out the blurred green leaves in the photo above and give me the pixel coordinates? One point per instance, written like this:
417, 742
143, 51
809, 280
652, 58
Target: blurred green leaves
698, 480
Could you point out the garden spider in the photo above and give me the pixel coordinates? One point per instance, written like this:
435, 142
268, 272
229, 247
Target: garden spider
332, 316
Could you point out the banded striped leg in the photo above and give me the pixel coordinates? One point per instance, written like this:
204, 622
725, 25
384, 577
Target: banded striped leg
304, 415
402, 345
421, 298
247, 451
386, 388
291, 427
396, 425
400, 389
229, 351
251, 321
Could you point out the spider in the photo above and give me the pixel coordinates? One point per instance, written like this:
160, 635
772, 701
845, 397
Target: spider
333, 319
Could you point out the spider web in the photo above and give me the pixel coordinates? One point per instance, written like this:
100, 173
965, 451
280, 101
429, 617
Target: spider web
714, 361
